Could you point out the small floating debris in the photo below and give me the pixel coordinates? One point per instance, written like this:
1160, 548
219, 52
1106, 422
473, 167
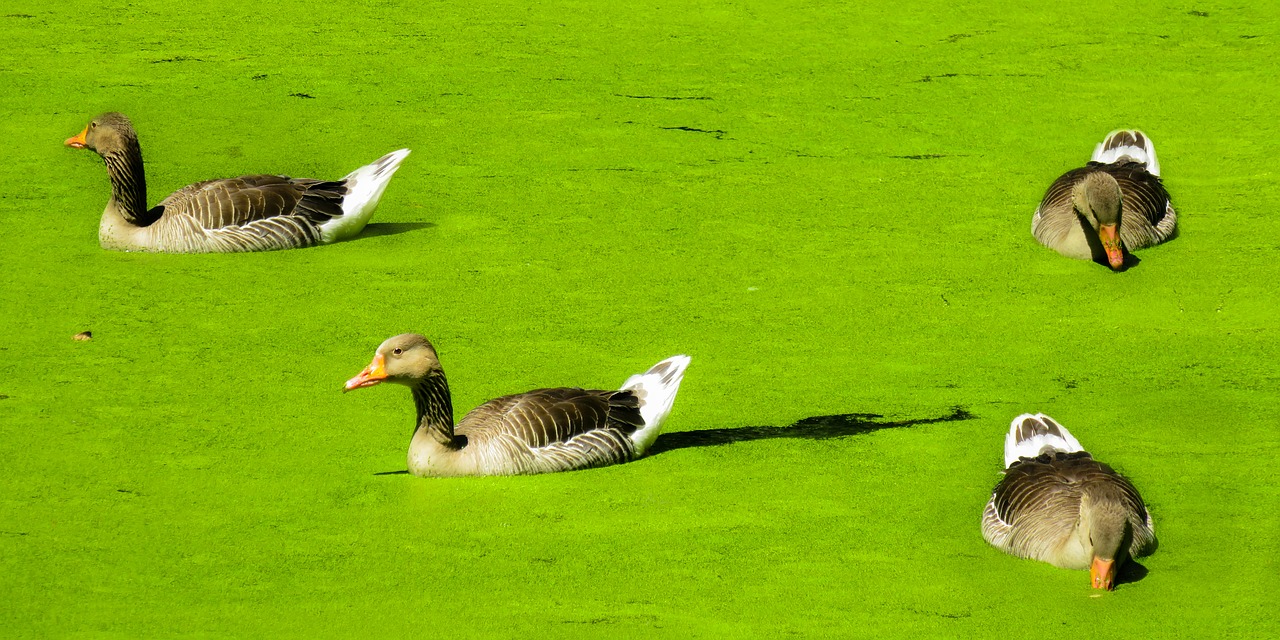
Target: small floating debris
83, 336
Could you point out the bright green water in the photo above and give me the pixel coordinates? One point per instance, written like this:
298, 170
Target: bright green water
827, 206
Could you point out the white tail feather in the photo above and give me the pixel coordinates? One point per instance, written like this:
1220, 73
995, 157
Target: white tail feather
364, 189
1031, 435
656, 389
1127, 142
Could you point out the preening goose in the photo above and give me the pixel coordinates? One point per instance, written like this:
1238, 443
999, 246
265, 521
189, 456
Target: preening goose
1057, 504
1114, 203
249, 213
535, 432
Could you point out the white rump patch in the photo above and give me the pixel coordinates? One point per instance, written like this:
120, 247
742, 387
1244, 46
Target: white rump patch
1131, 143
656, 389
364, 188
1042, 435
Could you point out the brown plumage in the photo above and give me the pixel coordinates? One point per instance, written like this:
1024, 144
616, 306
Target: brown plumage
1057, 504
539, 431
1114, 203
249, 213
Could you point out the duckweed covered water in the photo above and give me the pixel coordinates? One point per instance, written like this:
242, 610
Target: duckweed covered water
827, 206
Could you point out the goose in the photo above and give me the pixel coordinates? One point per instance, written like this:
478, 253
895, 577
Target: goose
1057, 504
1114, 203
540, 431
249, 213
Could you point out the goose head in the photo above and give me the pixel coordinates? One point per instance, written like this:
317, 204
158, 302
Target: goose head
403, 359
106, 134
1109, 535
1097, 200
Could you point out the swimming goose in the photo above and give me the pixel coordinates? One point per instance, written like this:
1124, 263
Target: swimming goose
1059, 505
1114, 203
249, 213
535, 432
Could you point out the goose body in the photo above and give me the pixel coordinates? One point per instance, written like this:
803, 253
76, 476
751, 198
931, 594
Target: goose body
1114, 203
1057, 504
539, 431
249, 213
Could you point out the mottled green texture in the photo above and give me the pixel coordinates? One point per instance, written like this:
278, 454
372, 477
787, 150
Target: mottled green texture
827, 206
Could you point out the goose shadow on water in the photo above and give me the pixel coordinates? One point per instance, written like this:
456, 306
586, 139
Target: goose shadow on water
1130, 572
375, 229
812, 428
1130, 261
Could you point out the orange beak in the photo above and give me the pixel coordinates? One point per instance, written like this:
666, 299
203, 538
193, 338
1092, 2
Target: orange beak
77, 141
1102, 574
373, 374
1110, 238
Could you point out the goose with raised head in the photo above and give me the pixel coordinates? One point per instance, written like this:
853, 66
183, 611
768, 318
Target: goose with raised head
249, 213
1115, 203
540, 431
1057, 504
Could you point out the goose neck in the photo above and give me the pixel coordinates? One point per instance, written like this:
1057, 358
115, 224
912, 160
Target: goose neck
129, 184
435, 408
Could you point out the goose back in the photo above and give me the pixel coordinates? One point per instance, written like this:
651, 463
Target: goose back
1035, 510
238, 201
552, 430
1147, 214
249, 213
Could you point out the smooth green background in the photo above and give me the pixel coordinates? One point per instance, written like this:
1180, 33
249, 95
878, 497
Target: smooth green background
826, 205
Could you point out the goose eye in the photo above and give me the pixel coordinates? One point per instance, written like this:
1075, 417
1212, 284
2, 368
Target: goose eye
93, 125
397, 351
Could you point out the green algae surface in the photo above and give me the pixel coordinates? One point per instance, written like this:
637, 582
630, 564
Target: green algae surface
826, 205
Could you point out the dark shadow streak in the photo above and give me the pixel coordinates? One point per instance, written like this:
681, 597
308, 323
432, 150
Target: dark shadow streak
375, 229
718, 133
815, 428
621, 95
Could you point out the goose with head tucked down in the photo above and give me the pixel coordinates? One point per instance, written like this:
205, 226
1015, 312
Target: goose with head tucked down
1114, 204
540, 431
249, 213
1059, 505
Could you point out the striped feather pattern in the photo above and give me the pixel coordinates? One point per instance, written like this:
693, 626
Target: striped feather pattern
1147, 214
1031, 435
238, 201
249, 213
1035, 510
553, 430
539, 431
1127, 145
129, 185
